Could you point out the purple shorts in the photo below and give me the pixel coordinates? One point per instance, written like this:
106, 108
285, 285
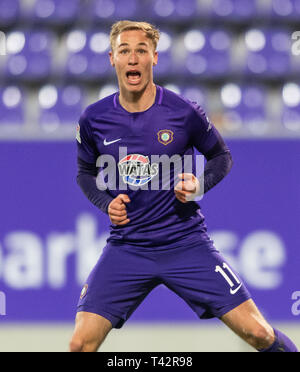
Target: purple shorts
125, 275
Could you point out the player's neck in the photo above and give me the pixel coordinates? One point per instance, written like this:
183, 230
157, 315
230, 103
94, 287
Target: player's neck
138, 102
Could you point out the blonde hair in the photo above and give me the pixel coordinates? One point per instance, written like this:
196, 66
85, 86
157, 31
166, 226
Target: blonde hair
117, 28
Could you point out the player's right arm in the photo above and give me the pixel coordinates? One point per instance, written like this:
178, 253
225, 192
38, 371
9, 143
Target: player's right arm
87, 173
114, 207
208, 141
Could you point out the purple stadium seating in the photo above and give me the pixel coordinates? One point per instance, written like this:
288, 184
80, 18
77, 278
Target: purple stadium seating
165, 66
290, 110
208, 53
29, 55
111, 10
244, 106
88, 55
173, 10
60, 105
9, 12
194, 47
107, 90
11, 105
234, 10
195, 93
56, 11
268, 52
285, 10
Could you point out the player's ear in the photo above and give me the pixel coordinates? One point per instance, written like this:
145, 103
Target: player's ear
155, 59
111, 58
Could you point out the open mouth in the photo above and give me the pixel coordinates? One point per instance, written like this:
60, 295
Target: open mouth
133, 76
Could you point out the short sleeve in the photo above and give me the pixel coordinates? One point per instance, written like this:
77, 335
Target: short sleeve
203, 134
86, 148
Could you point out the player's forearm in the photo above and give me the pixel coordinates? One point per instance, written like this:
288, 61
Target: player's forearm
216, 169
86, 179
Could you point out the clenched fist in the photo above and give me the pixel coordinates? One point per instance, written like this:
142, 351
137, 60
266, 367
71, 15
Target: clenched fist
187, 188
117, 210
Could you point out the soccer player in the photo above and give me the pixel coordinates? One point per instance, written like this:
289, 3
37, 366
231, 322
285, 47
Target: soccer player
157, 236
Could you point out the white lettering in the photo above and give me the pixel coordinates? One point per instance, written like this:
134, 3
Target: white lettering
296, 305
262, 254
28, 262
2, 303
296, 44
3, 50
59, 248
108, 173
1, 261
88, 248
24, 265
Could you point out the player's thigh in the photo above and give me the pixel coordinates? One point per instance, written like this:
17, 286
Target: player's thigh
247, 322
118, 283
201, 276
90, 331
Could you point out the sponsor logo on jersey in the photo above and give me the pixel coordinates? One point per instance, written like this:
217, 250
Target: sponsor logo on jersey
78, 133
136, 169
165, 136
107, 143
233, 291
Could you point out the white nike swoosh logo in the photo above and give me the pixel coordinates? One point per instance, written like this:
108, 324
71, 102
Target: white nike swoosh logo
233, 291
106, 143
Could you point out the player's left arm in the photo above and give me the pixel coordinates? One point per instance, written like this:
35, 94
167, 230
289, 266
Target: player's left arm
208, 141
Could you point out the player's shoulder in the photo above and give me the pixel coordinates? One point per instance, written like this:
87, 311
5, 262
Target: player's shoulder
97, 108
178, 102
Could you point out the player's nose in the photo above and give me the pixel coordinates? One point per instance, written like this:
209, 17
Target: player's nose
133, 59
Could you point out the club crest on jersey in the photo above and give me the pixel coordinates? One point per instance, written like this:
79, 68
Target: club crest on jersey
136, 169
165, 136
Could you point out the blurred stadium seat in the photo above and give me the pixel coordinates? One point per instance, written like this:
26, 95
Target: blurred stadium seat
195, 93
234, 10
166, 63
285, 10
244, 105
268, 52
10, 12
173, 10
29, 55
111, 10
290, 110
56, 12
106, 90
88, 55
208, 53
59, 105
12, 105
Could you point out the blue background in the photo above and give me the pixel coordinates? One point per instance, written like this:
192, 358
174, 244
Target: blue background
39, 195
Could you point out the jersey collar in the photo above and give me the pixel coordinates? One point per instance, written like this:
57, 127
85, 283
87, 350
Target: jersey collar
158, 98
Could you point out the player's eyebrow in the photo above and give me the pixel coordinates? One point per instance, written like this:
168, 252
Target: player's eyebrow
126, 44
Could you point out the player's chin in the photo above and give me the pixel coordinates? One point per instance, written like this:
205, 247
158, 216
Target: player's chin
139, 87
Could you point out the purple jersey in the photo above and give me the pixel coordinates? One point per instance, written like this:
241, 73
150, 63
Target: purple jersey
171, 126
